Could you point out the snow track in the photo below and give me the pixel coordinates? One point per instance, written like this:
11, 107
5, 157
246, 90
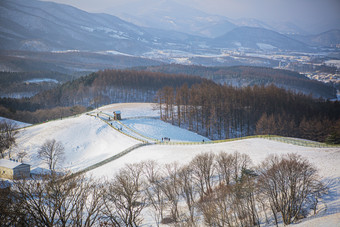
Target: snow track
114, 157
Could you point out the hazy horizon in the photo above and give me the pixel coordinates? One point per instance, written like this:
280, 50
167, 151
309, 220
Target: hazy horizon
309, 15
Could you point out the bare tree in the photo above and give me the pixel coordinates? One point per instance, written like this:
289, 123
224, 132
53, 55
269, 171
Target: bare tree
240, 163
189, 191
218, 208
11, 212
58, 200
7, 136
231, 204
52, 153
21, 155
170, 188
224, 167
155, 195
84, 203
288, 182
124, 199
203, 170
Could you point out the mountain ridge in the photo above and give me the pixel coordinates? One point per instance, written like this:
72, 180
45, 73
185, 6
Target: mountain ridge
47, 26
253, 37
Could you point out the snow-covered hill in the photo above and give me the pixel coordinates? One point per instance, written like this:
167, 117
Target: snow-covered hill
89, 139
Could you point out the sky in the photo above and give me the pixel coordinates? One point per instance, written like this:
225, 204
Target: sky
304, 13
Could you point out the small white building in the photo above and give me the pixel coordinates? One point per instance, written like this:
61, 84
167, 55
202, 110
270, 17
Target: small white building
10, 169
117, 115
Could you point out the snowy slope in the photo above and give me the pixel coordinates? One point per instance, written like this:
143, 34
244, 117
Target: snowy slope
87, 140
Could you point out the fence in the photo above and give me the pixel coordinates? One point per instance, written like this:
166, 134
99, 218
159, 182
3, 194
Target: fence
288, 140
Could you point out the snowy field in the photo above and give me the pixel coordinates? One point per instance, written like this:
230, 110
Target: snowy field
157, 129
88, 140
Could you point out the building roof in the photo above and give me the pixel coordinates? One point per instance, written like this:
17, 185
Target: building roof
9, 163
117, 112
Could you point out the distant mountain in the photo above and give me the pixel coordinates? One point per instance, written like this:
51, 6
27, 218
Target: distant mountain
45, 26
258, 38
280, 27
31, 25
287, 28
170, 15
251, 22
329, 38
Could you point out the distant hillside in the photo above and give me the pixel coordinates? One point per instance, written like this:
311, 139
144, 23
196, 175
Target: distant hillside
44, 26
47, 26
68, 62
258, 38
241, 76
329, 38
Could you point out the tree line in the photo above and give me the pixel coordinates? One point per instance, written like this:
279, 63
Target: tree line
92, 91
110, 86
223, 189
222, 111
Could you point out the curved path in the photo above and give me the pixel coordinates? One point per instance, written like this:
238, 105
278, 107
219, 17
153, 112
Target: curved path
105, 161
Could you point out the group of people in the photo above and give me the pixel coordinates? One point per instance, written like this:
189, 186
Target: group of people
165, 139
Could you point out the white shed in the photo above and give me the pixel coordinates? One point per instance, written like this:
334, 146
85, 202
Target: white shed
10, 169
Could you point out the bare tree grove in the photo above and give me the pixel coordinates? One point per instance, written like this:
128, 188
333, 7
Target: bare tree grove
221, 189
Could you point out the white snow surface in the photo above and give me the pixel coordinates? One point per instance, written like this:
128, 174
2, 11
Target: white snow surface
158, 129
326, 221
88, 140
